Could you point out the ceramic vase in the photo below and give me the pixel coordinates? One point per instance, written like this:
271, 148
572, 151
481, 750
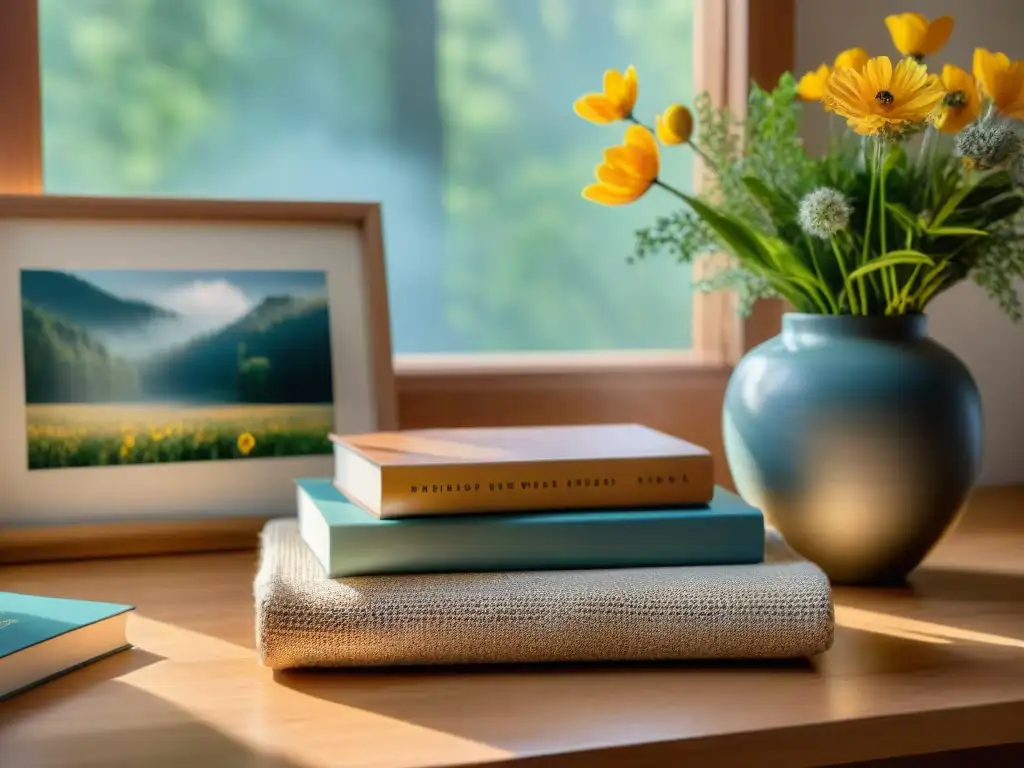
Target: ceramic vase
859, 438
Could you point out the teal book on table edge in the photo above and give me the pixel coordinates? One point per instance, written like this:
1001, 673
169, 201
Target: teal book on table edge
349, 541
44, 637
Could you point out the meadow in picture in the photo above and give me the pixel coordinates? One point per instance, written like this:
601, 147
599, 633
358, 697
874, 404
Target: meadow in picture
141, 367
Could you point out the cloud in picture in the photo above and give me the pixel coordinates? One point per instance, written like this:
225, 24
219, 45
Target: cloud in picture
213, 299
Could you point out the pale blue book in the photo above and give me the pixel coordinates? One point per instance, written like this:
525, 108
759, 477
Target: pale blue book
44, 637
347, 540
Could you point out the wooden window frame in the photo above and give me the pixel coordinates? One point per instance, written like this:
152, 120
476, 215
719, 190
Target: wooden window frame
678, 391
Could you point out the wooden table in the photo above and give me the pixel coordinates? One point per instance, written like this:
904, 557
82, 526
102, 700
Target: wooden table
937, 665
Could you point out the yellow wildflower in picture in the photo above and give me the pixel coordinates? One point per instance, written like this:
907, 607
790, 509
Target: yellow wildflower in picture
246, 442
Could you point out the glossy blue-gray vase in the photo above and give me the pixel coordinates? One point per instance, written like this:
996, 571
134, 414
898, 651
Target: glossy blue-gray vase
858, 437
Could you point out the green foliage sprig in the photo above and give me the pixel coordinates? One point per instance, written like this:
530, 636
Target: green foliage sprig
939, 219
876, 225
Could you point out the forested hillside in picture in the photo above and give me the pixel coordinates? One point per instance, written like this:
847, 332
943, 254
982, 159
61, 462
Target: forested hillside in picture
138, 367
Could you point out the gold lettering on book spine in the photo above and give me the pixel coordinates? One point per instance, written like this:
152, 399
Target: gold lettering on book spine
566, 485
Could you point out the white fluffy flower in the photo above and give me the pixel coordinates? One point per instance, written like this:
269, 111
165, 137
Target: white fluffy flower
824, 212
988, 143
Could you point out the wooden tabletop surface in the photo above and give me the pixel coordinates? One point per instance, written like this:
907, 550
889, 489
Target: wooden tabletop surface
935, 665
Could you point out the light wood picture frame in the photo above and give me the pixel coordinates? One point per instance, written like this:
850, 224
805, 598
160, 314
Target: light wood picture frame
86, 470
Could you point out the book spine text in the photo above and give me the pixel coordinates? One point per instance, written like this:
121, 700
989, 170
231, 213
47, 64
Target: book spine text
409, 491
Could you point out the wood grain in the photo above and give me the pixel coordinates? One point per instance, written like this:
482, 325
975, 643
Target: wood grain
21, 116
934, 665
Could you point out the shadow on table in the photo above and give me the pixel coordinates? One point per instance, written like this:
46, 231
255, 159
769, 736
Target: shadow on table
959, 585
75, 683
92, 719
545, 704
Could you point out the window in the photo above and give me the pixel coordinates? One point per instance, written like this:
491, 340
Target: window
456, 114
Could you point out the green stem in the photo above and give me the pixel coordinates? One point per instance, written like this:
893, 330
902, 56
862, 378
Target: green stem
905, 297
892, 290
927, 294
634, 120
825, 290
851, 294
670, 188
924, 155
700, 153
871, 211
817, 299
863, 289
703, 156
925, 161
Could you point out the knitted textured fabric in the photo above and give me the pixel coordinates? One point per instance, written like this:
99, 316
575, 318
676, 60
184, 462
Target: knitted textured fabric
781, 608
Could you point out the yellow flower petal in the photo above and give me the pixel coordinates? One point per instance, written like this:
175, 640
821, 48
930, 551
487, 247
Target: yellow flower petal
908, 30
938, 33
811, 86
614, 86
614, 103
627, 159
616, 176
879, 98
596, 108
962, 103
1001, 79
630, 89
854, 58
628, 170
605, 195
913, 35
675, 126
878, 72
641, 138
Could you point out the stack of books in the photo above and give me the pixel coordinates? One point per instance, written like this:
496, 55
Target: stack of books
543, 544
522, 499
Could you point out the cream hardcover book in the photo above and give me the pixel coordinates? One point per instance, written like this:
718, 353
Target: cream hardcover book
503, 469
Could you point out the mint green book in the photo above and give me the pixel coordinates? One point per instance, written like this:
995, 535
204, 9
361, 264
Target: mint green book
44, 637
349, 541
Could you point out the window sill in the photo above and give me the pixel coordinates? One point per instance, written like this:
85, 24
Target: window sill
520, 365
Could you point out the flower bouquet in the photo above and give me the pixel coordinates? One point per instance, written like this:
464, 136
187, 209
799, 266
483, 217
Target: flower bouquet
921, 189
856, 434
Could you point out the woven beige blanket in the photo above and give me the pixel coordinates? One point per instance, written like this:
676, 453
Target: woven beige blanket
779, 609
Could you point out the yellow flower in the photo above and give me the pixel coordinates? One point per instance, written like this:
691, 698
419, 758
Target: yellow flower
878, 100
962, 103
129, 441
628, 171
617, 101
812, 85
913, 35
246, 442
1002, 81
675, 126
854, 58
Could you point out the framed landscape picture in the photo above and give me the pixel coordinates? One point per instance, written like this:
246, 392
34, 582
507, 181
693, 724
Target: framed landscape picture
166, 361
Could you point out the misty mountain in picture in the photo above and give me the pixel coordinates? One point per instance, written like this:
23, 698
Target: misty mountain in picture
138, 366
